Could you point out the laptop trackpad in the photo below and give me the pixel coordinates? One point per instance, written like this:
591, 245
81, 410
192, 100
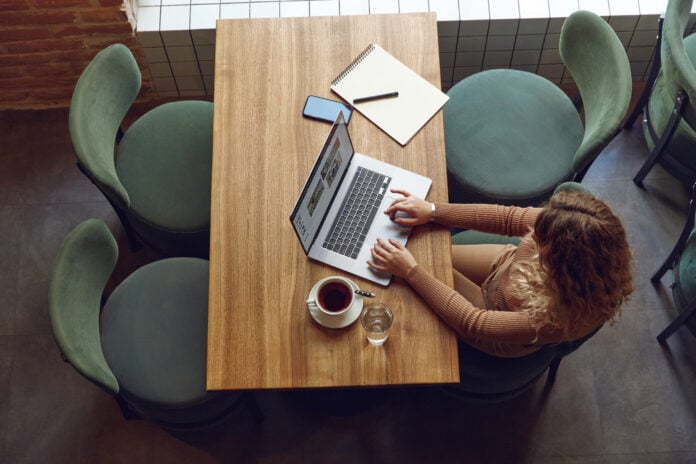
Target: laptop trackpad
395, 231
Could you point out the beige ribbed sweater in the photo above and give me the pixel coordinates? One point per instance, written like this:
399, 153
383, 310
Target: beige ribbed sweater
506, 331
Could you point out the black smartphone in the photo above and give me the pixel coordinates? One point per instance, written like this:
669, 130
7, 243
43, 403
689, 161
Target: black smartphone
324, 109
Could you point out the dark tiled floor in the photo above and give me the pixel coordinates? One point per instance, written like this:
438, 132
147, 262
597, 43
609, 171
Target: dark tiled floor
622, 398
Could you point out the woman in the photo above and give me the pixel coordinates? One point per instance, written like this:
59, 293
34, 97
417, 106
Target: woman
569, 274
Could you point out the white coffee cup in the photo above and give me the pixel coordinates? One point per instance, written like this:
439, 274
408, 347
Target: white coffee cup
333, 303
334, 295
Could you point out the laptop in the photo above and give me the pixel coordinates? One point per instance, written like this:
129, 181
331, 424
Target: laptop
340, 212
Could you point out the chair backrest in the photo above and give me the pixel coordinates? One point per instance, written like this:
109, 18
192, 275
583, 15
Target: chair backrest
102, 97
572, 187
596, 59
565, 348
83, 266
677, 68
685, 277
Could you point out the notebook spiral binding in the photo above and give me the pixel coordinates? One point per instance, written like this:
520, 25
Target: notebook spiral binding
355, 62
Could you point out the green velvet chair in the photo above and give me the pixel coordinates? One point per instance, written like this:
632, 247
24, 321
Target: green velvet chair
489, 378
683, 289
147, 346
669, 117
682, 262
159, 180
512, 137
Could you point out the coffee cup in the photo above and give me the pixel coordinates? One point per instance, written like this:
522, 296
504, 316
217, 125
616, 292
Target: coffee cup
333, 296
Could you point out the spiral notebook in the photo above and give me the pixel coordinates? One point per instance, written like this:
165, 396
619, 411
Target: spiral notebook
376, 72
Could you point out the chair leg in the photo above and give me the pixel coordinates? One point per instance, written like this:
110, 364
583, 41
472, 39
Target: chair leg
679, 106
553, 370
253, 407
654, 69
681, 241
133, 243
126, 410
677, 323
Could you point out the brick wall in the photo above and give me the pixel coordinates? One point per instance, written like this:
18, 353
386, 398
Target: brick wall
45, 45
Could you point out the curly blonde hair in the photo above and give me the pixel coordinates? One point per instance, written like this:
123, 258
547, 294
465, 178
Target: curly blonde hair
583, 272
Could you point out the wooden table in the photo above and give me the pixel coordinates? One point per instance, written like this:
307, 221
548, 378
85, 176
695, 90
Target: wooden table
260, 334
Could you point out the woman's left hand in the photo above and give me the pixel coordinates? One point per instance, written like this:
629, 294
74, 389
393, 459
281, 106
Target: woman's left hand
391, 257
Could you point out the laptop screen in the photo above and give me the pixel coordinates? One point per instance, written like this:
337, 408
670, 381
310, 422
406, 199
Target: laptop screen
322, 184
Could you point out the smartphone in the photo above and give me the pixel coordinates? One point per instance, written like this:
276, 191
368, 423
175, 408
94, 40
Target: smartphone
324, 109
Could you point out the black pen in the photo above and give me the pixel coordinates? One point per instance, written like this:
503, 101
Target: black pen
375, 97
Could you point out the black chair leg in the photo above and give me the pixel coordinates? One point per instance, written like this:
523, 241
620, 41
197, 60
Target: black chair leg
253, 407
677, 323
652, 75
553, 370
133, 243
126, 410
681, 241
667, 265
679, 106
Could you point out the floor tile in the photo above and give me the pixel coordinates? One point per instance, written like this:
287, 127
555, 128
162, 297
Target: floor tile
646, 393
41, 165
50, 405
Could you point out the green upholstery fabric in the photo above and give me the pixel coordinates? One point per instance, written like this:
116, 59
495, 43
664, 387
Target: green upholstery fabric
160, 177
596, 59
676, 66
103, 94
687, 269
685, 291
83, 266
486, 375
154, 331
511, 137
149, 346
501, 126
167, 172
677, 72
572, 187
474, 237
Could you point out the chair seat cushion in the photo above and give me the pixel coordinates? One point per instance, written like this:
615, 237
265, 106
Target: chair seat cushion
154, 332
486, 375
509, 135
164, 161
475, 237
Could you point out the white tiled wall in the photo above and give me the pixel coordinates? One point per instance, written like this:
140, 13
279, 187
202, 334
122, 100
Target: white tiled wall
178, 36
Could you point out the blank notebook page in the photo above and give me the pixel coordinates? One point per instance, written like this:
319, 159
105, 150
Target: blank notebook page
376, 72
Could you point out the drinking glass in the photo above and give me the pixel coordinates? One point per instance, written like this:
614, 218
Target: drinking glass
376, 319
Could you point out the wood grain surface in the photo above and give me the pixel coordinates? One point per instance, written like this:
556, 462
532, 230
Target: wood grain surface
260, 334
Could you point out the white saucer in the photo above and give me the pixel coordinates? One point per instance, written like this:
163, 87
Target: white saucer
338, 320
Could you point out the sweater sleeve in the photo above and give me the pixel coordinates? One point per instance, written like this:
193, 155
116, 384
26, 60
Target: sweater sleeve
468, 321
496, 219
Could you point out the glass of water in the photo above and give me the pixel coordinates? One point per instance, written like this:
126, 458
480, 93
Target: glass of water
376, 319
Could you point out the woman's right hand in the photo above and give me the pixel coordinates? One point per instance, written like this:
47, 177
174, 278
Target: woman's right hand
418, 211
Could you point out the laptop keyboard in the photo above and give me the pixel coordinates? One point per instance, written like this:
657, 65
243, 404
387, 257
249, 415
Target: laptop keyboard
357, 212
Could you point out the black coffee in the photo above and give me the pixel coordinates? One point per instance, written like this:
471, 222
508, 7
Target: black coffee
334, 296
